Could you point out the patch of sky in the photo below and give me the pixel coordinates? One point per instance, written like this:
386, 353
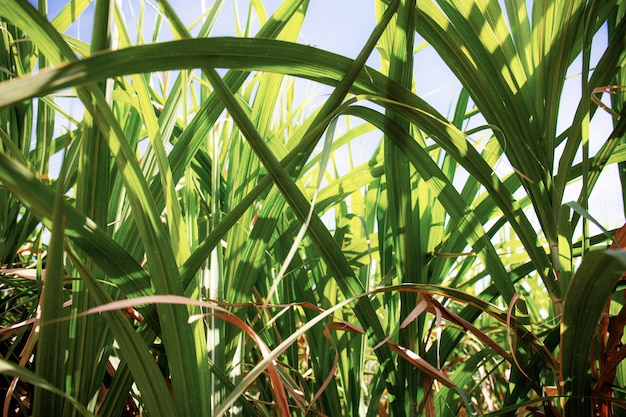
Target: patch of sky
81, 28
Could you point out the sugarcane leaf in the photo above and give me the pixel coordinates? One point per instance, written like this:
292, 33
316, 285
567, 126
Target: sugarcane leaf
589, 289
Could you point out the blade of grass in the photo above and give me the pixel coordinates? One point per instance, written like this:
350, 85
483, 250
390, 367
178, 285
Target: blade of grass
10, 368
53, 335
146, 374
590, 287
91, 339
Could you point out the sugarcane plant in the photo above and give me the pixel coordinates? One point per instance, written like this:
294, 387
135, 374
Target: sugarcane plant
183, 233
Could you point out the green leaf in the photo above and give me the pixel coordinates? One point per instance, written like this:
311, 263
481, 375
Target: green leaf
9, 368
589, 290
134, 351
53, 333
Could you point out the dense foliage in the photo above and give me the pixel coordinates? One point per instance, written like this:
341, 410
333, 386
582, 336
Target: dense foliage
182, 234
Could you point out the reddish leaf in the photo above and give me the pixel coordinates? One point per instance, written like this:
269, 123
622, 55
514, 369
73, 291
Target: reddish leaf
619, 240
420, 363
